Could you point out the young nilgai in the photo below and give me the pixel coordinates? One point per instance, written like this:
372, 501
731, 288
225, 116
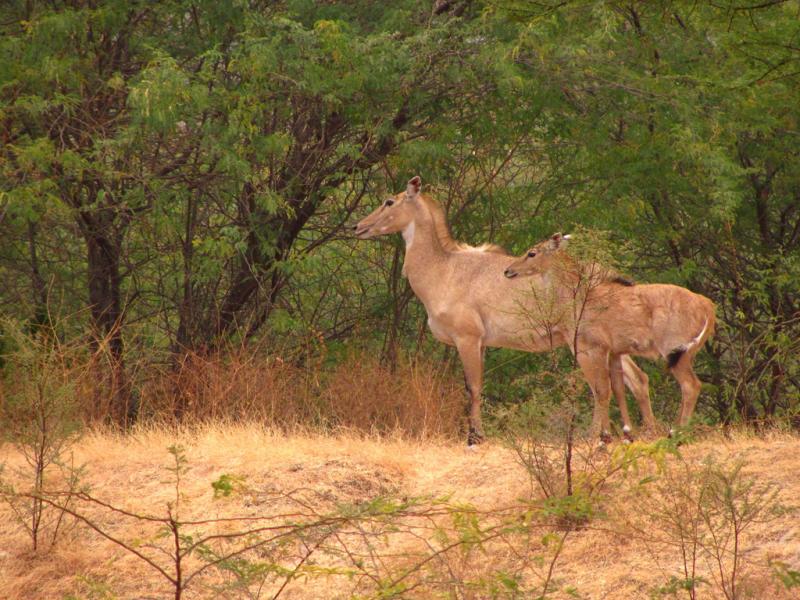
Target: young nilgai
604, 317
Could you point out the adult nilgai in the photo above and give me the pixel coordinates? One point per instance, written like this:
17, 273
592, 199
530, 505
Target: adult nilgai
604, 317
469, 303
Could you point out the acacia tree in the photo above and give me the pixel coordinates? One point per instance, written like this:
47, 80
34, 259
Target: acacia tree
191, 145
676, 128
295, 118
68, 142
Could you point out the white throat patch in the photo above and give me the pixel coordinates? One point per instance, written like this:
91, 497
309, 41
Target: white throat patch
408, 237
408, 234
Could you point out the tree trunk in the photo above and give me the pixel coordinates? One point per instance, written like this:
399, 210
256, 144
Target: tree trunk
41, 310
104, 246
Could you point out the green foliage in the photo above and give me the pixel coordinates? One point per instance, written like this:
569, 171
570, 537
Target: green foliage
575, 509
178, 175
676, 585
227, 485
787, 576
678, 130
92, 588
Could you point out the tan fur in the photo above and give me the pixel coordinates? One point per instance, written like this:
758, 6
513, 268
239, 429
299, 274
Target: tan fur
470, 304
653, 321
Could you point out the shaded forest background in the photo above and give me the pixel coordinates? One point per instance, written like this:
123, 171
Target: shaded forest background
175, 178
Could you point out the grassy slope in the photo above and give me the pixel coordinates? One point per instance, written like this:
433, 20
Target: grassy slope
129, 471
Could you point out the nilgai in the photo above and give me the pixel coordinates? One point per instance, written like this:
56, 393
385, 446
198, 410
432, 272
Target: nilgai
605, 317
469, 303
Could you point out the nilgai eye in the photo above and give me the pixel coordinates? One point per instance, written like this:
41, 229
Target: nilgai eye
389, 202
531, 254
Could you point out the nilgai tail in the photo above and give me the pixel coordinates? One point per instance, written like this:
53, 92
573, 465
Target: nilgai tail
675, 355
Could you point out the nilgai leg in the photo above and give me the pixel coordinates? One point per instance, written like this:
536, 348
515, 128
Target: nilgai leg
690, 387
594, 364
618, 387
639, 384
471, 353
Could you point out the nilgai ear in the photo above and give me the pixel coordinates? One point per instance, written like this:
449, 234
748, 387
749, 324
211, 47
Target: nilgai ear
414, 184
555, 240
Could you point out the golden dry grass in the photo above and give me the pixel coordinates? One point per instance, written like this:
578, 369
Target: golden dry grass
601, 561
421, 398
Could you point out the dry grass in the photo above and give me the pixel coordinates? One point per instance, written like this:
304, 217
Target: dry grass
601, 561
421, 398
358, 393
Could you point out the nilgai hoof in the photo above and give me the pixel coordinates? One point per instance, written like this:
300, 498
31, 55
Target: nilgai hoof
475, 437
673, 435
605, 440
627, 435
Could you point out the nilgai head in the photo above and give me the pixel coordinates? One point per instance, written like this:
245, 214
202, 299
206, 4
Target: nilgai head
537, 259
393, 215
